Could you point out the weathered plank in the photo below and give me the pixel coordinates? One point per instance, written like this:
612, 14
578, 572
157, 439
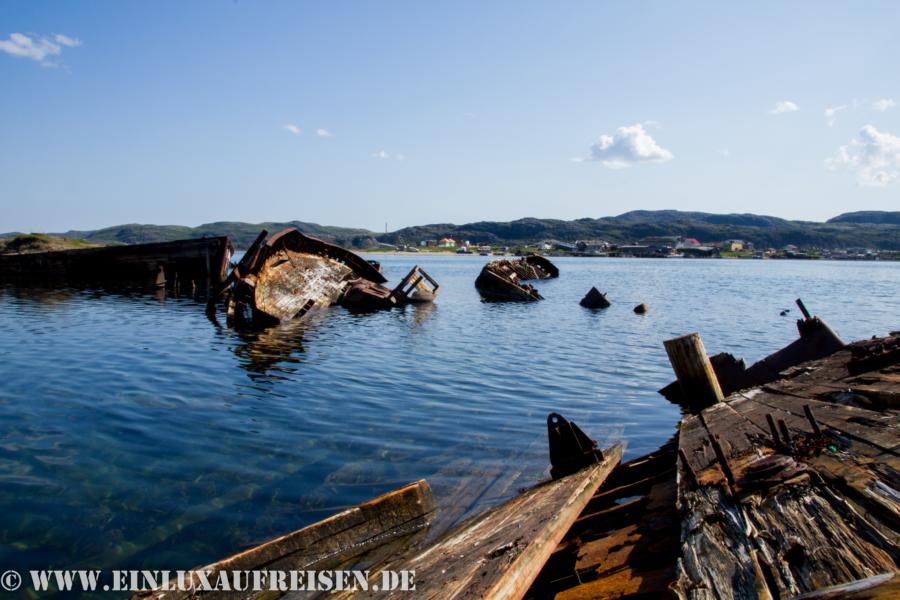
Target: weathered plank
330, 542
497, 554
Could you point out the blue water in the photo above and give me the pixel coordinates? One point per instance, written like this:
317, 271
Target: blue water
134, 432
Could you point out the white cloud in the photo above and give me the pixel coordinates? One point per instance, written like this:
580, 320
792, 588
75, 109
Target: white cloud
66, 40
784, 106
831, 112
627, 146
291, 128
385, 155
725, 152
38, 48
883, 104
874, 155
323, 133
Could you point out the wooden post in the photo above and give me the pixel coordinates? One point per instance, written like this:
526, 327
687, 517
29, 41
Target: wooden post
694, 371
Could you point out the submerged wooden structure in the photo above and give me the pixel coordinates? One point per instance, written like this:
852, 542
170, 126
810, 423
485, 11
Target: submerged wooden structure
500, 282
163, 264
784, 490
787, 489
286, 275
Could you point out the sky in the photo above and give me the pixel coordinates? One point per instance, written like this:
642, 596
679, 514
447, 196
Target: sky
390, 114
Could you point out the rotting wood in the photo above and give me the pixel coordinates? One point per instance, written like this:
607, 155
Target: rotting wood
290, 274
817, 341
499, 281
326, 544
534, 266
807, 505
693, 370
497, 554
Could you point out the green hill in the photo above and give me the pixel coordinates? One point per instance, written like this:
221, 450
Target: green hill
763, 231
868, 229
242, 234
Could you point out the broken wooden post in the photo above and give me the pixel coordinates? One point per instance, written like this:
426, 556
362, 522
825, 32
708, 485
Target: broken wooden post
693, 370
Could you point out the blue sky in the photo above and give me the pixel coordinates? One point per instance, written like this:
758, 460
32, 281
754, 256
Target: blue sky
185, 113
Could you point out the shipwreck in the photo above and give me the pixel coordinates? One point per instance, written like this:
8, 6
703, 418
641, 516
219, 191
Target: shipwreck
285, 276
173, 264
501, 280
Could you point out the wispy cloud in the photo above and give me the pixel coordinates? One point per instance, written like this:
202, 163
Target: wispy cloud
66, 40
291, 128
884, 104
629, 145
385, 155
323, 133
784, 106
40, 49
874, 155
831, 112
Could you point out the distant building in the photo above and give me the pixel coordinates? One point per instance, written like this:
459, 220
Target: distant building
700, 251
447, 243
640, 250
688, 243
592, 246
734, 245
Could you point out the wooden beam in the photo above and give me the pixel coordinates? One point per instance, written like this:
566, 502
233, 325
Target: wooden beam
694, 371
498, 553
330, 542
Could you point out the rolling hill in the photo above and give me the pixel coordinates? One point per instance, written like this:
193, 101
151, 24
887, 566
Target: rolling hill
865, 229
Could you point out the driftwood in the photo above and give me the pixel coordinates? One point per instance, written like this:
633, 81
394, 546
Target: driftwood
327, 544
161, 264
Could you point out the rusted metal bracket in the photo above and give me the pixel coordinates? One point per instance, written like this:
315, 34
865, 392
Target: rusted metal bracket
570, 448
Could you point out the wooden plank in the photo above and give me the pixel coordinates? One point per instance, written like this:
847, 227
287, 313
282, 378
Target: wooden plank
880, 429
499, 553
330, 542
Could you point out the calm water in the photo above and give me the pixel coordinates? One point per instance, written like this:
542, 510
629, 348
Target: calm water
135, 432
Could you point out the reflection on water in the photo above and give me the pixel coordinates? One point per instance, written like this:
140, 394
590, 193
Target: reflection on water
136, 432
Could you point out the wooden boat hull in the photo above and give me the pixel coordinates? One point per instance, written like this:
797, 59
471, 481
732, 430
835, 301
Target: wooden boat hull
499, 282
289, 274
182, 261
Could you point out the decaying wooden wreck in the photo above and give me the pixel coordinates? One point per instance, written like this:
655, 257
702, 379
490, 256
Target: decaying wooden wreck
534, 266
501, 280
787, 489
494, 554
286, 275
164, 264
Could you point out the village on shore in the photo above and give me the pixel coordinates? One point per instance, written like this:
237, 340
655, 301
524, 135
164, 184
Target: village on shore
649, 247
